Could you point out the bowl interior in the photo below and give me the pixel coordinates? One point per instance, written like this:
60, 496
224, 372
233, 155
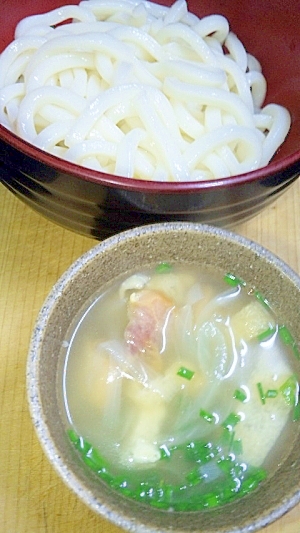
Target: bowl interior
269, 31
183, 242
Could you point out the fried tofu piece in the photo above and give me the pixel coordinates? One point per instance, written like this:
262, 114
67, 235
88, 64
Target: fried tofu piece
251, 321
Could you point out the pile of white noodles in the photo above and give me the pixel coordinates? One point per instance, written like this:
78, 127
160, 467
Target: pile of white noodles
132, 88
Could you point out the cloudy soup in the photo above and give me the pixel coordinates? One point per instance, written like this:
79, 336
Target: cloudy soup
179, 387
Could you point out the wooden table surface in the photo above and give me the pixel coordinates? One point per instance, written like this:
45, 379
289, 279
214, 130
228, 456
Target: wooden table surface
33, 254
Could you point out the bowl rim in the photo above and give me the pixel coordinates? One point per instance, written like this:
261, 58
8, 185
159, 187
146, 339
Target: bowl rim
32, 372
137, 185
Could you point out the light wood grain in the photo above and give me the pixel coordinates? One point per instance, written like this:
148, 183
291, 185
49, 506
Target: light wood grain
33, 254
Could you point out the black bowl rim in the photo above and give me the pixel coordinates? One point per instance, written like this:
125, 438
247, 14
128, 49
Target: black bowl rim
146, 186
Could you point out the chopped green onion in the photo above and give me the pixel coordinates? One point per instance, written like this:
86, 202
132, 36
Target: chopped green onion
286, 335
201, 451
233, 280
88, 453
262, 299
230, 443
95, 460
228, 492
166, 451
234, 483
166, 493
296, 351
288, 339
163, 267
231, 421
237, 447
73, 436
225, 464
240, 395
82, 446
232, 469
195, 477
271, 393
296, 413
261, 393
266, 334
211, 500
90, 462
209, 417
290, 389
251, 482
185, 373
227, 437
121, 484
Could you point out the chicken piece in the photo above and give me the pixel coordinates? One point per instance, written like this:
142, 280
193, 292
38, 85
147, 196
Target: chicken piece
148, 313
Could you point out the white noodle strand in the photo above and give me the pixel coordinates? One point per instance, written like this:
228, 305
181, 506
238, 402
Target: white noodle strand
141, 90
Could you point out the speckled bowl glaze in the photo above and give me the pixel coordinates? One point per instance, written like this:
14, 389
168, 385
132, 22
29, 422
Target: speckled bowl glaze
184, 242
97, 204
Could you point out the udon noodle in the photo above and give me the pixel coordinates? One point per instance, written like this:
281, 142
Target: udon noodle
132, 88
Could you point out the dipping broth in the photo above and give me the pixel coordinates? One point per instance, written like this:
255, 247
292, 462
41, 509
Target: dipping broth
179, 387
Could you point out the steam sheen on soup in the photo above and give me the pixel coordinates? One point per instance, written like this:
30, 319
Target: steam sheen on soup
179, 387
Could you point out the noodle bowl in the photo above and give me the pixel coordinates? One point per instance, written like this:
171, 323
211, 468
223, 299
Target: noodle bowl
139, 90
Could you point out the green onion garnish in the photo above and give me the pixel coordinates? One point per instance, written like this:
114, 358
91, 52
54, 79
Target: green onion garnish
240, 395
166, 451
233, 280
235, 482
253, 480
201, 451
266, 334
185, 373
227, 438
262, 299
211, 500
271, 393
237, 447
288, 339
94, 461
296, 413
163, 267
225, 464
261, 393
73, 436
82, 446
209, 417
195, 477
89, 454
296, 351
290, 389
285, 335
231, 421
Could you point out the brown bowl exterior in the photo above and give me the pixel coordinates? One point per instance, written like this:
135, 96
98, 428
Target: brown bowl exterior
184, 242
99, 205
